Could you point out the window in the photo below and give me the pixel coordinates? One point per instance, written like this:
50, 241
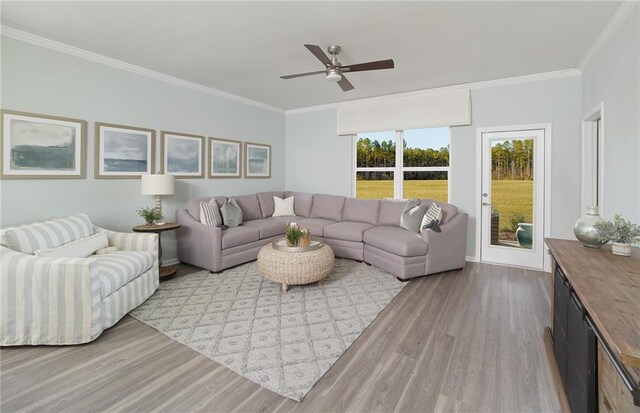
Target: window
402, 164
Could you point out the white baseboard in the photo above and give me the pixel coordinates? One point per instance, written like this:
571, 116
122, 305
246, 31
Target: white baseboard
471, 258
173, 261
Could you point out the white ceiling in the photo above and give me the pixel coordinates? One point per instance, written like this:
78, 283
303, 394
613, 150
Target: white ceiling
243, 47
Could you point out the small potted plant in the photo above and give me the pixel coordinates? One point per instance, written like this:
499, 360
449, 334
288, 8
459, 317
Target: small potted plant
621, 232
293, 234
150, 215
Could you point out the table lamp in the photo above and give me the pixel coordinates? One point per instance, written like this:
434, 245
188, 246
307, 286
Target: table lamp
158, 185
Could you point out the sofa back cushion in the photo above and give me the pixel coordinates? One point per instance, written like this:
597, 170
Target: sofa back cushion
193, 205
448, 210
390, 212
327, 206
361, 210
302, 203
250, 207
48, 234
266, 202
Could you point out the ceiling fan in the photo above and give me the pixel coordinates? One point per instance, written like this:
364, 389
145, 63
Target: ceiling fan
335, 71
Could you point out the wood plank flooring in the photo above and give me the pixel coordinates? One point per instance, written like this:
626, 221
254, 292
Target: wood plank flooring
460, 341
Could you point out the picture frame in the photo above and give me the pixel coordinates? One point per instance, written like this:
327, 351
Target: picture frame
225, 158
182, 155
123, 152
257, 160
37, 146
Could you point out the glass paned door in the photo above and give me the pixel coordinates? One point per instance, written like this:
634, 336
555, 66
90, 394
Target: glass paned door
513, 198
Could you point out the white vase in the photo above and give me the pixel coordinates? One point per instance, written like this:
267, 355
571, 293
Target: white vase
585, 229
621, 248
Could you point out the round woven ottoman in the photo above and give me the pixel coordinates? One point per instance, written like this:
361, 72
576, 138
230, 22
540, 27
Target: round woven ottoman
295, 268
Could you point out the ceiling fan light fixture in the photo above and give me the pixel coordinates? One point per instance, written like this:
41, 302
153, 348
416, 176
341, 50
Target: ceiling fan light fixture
334, 75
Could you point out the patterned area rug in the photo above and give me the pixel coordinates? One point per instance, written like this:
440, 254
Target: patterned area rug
283, 341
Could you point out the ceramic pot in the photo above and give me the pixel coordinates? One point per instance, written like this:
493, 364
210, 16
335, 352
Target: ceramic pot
524, 234
620, 248
585, 231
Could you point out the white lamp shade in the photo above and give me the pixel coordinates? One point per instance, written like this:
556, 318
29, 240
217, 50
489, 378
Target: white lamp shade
158, 185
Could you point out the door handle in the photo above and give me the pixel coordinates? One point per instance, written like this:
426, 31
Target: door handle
486, 204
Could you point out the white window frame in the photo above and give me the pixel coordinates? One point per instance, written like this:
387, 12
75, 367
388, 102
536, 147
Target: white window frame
399, 169
593, 133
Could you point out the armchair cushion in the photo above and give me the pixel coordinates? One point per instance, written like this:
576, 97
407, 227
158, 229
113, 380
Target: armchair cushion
48, 234
118, 268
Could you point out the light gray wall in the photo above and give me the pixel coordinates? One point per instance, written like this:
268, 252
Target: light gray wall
554, 101
318, 160
613, 77
35, 79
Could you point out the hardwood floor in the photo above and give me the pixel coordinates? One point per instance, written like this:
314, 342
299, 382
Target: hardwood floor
460, 341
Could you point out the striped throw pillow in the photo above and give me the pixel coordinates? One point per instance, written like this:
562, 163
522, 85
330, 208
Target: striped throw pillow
434, 213
210, 213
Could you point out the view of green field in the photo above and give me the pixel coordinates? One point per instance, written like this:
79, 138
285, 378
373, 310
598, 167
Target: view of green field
510, 197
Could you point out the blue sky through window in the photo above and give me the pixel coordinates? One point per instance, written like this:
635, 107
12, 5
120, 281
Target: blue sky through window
434, 138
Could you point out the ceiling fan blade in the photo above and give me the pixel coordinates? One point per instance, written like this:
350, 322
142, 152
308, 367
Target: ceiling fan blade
317, 52
345, 84
361, 67
303, 74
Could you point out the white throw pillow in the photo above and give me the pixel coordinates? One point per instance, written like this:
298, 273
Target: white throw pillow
434, 213
283, 207
79, 248
210, 213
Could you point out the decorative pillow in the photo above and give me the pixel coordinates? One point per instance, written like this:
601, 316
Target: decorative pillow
80, 248
411, 218
283, 207
434, 213
107, 250
210, 213
231, 213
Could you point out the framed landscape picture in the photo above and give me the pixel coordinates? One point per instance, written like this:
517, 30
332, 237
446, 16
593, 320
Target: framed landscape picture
258, 160
124, 151
225, 158
35, 146
182, 154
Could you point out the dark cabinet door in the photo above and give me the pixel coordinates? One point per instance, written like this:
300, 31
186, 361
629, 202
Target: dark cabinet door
561, 298
581, 384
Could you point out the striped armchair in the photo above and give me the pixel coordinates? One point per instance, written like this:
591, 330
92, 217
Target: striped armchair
46, 300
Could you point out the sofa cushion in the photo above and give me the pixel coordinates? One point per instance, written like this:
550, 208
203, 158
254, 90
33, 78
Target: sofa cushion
315, 225
390, 212
193, 205
361, 210
48, 234
79, 248
268, 227
266, 202
302, 203
235, 236
118, 268
327, 206
396, 240
347, 231
250, 207
287, 220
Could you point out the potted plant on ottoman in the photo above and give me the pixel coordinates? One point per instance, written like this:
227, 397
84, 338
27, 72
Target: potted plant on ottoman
621, 232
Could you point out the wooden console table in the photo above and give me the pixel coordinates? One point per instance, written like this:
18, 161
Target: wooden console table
171, 270
602, 333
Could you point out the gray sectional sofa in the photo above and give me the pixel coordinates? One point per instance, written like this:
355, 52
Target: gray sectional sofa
358, 229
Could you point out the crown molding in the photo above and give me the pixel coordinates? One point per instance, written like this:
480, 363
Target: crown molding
619, 16
475, 85
118, 64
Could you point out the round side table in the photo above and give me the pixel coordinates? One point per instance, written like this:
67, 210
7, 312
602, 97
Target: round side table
170, 270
